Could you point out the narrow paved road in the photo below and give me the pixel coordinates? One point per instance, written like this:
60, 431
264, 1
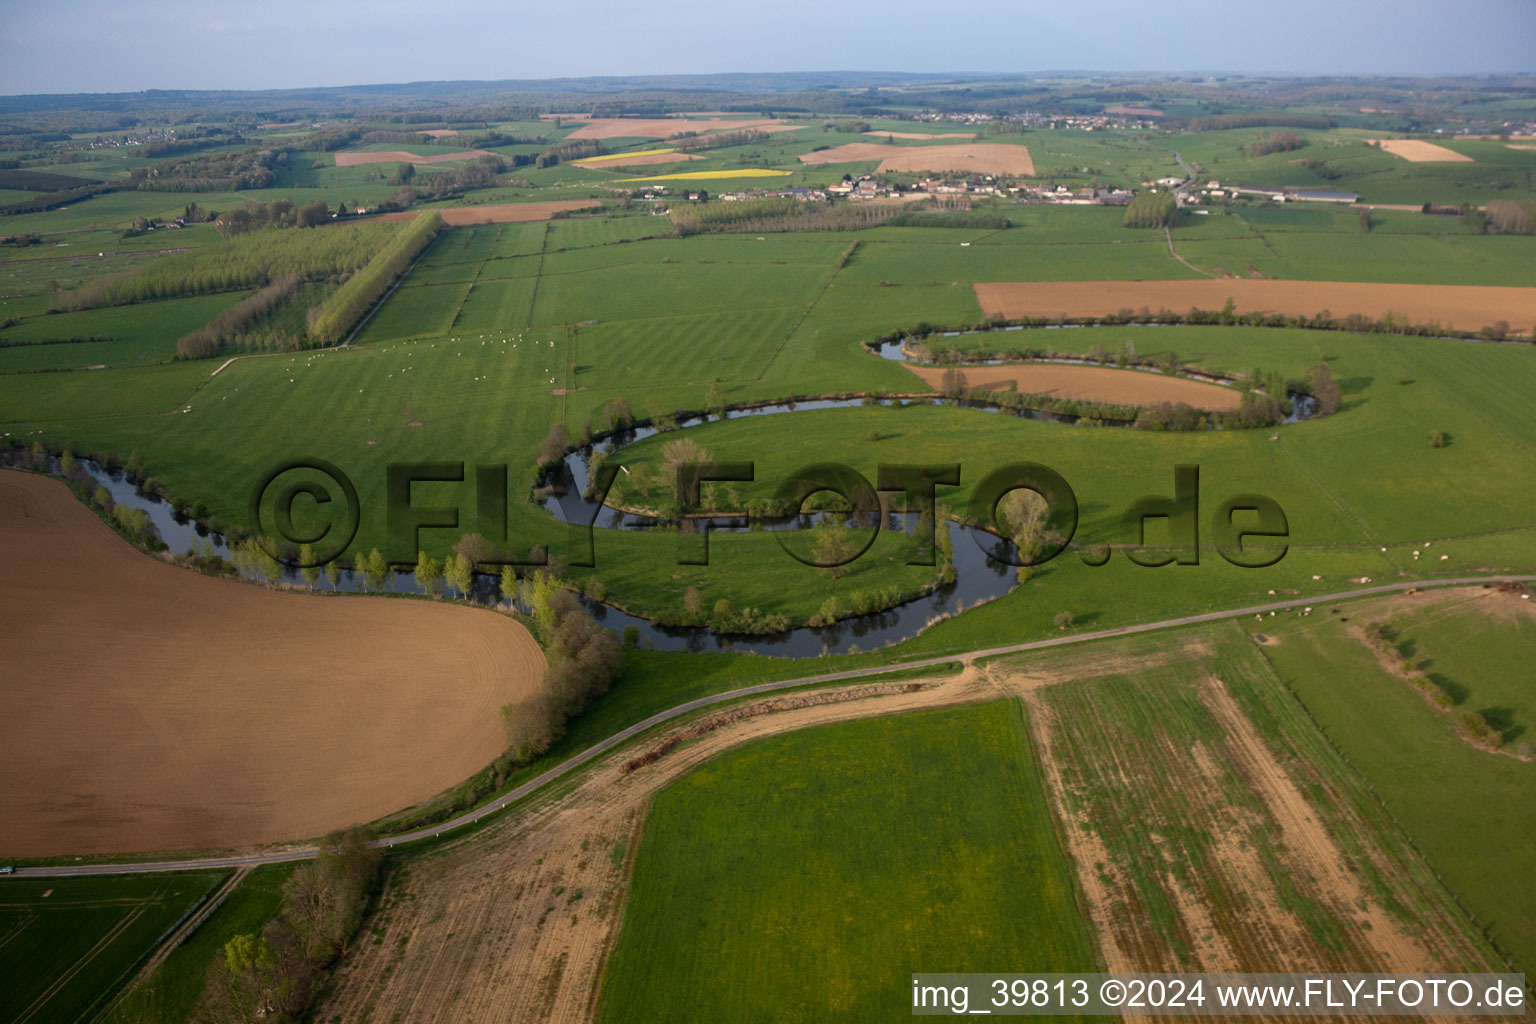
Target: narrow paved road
566, 767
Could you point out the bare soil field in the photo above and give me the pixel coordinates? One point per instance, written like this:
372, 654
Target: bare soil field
151, 708
1420, 152
665, 127
440, 133
923, 136
981, 157
1466, 307
500, 213
1091, 383
400, 156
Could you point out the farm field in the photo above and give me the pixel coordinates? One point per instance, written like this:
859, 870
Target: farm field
503, 213
638, 158
797, 872
550, 884
1420, 152
290, 726
390, 156
1092, 383
1463, 306
1212, 828
813, 779
666, 127
114, 336
923, 136
980, 158
69, 943
1412, 754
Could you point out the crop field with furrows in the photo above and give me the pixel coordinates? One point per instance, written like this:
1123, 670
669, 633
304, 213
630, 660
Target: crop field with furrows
67, 944
1214, 830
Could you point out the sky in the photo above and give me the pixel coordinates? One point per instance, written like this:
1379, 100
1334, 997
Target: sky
124, 46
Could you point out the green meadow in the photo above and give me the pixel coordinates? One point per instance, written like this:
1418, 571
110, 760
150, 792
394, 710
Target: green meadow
818, 869
476, 345
114, 336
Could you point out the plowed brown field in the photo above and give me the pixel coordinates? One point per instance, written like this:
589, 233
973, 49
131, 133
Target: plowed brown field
980, 157
1091, 383
151, 708
501, 213
1460, 306
400, 156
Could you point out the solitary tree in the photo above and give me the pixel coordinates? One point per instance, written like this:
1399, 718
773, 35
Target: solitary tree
1064, 620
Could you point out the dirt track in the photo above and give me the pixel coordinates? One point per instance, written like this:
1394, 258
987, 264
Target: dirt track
1464, 307
393, 156
501, 213
1420, 152
1092, 383
979, 157
150, 708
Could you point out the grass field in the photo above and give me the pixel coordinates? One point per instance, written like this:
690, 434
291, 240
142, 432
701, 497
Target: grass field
1467, 810
67, 944
118, 335
813, 872
504, 316
170, 995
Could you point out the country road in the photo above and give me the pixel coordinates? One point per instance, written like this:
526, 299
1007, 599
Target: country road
1179, 192
566, 767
